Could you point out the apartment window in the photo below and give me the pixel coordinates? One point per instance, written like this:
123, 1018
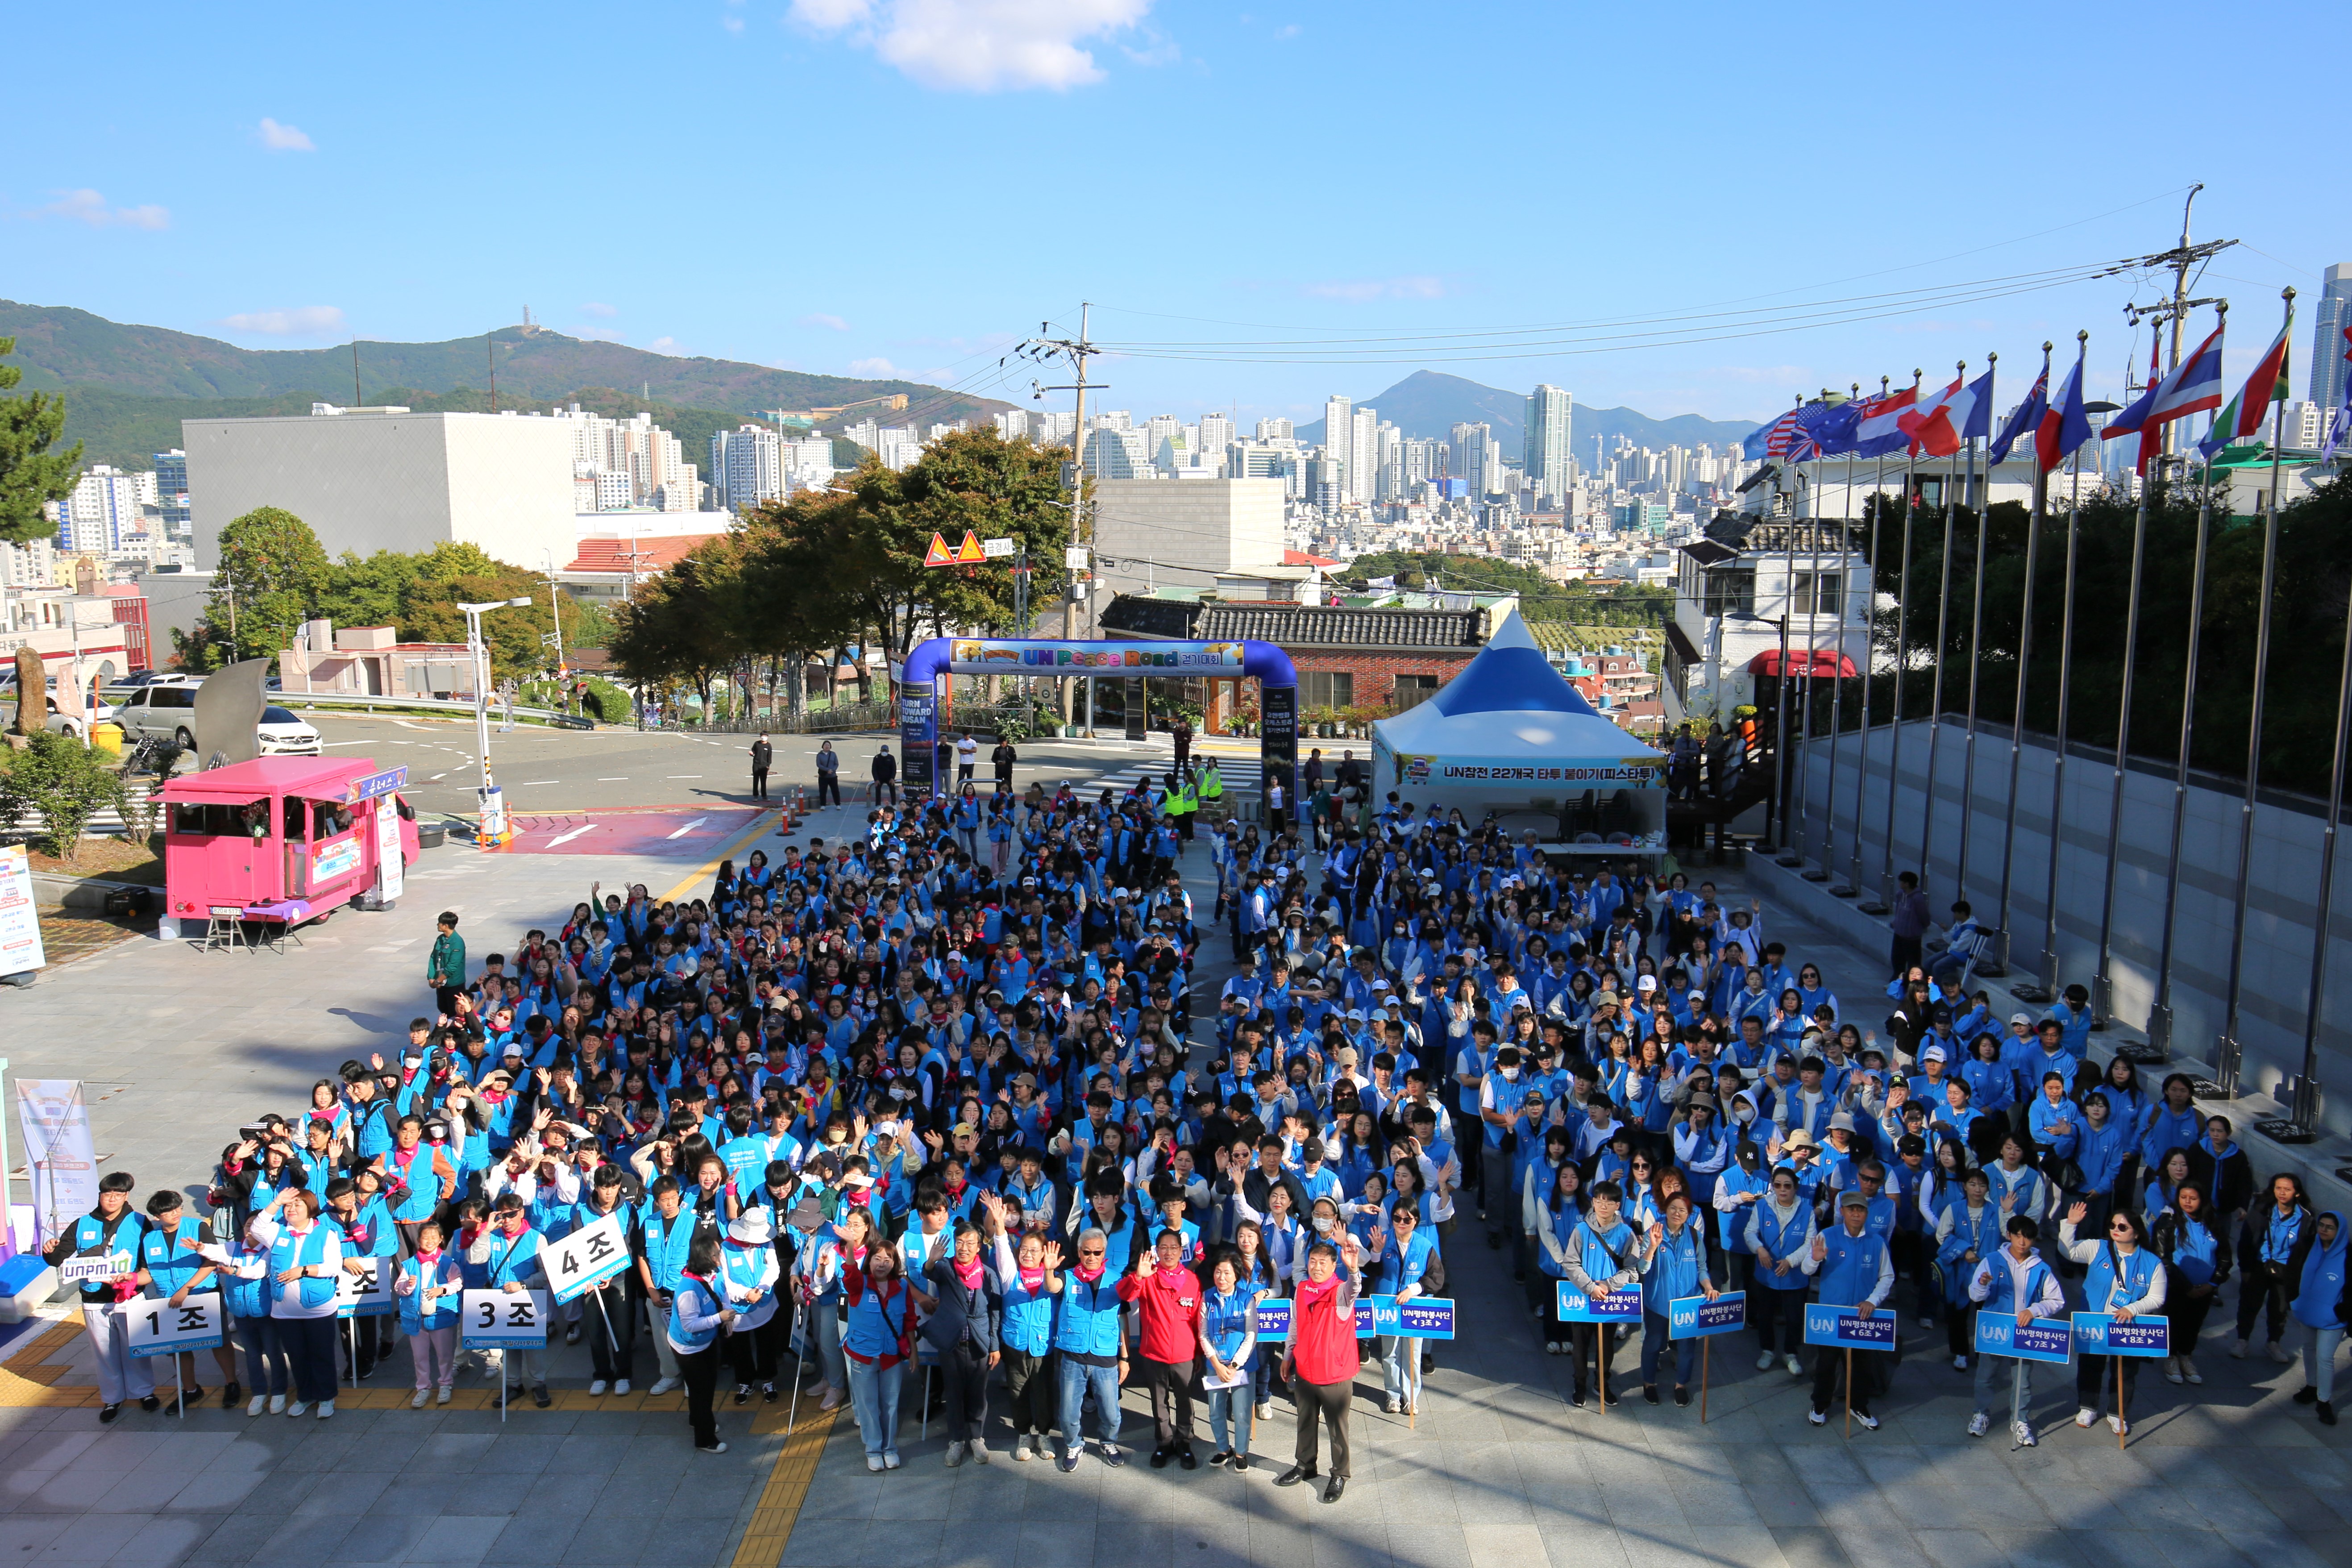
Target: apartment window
1731, 588
1326, 689
1411, 691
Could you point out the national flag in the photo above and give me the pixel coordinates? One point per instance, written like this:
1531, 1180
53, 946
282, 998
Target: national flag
1769, 439
1880, 433
2064, 424
1833, 431
2267, 386
1937, 427
2194, 386
2023, 418
2340, 423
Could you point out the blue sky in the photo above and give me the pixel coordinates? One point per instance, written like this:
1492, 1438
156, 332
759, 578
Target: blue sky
868, 186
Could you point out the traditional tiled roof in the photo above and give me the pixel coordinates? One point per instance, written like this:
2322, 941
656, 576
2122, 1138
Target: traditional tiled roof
1296, 625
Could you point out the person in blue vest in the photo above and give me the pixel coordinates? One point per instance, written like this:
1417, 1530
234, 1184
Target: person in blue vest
697, 1315
1091, 1349
430, 1288
1967, 1231
305, 1254
2124, 1278
113, 1230
1779, 1238
1408, 1267
507, 1250
1028, 1273
244, 1292
747, 1277
2272, 1246
1852, 1268
2014, 1281
1228, 1352
612, 1336
171, 1269
879, 1342
667, 1228
1673, 1266
1603, 1255
2321, 1308
2197, 1264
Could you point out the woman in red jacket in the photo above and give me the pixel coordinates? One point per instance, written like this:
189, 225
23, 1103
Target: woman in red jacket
1321, 1360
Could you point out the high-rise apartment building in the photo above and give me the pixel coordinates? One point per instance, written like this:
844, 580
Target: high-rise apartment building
2329, 347
747, 467
1274, 429
101, 516
1216, 433
1338, 431
1475, 462
1364, 455
1546, 456
653, 460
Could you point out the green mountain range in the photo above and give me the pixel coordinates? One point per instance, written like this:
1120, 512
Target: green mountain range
128, 387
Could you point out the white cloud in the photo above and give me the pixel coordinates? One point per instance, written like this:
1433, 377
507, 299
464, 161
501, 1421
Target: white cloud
593, 309
600, 335
878, 368
822, 319
88, 207
1363, 292
298, 322
665, 345
285, 138
732, 24
981, 46
1287, 30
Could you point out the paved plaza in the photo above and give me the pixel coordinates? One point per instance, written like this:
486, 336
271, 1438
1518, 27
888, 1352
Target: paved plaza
179, 1047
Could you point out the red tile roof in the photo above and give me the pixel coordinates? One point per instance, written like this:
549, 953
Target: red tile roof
1301, 558
651, 555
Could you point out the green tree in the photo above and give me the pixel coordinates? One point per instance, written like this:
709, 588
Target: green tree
673, 629
29, 472
271, 575
66, 781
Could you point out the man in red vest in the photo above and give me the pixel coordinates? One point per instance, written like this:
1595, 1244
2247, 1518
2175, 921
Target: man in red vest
1168, 1299
1320, 1362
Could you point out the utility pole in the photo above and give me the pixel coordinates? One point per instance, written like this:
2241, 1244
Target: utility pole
1077, 351
2180, 259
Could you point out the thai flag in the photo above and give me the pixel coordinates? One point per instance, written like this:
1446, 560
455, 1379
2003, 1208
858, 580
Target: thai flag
2023, 418
2194, 386
2064, 424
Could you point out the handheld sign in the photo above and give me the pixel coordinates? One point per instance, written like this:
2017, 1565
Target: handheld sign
1829, 1324
1424, 1317
96, 1269
497, 1321
1695, 1317
1272, 1318
158, 1328
367, 1294
2044, 1338
2096, 1333
586, 1259
1614, 1306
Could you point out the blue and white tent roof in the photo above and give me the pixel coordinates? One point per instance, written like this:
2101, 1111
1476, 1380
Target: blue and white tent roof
1509, 701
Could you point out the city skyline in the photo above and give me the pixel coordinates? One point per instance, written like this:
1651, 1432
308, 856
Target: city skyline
150, 209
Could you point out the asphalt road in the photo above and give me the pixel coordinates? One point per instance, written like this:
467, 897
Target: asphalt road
557, 770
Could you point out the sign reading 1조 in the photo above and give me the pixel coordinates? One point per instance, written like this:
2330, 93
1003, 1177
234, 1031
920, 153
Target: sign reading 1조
1616, 1307
158, 1328
1828, 1324
2043, 1339
1697, 1317
2096, 1333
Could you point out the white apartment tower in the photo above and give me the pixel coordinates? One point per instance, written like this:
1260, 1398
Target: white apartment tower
1546, 456
1339, 428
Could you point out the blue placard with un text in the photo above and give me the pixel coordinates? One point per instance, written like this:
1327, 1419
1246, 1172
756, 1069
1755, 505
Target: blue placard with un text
2096, 1333
1614, 1306
2043, 1339
1424, 1317
1697, 1317
1829, 1324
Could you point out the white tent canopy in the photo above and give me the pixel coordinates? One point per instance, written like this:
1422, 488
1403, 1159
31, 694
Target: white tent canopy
1510, 734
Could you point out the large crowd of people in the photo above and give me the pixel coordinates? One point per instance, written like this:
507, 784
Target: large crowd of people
947, 1111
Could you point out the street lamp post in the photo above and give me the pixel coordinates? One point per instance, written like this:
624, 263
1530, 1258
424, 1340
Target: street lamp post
490, 831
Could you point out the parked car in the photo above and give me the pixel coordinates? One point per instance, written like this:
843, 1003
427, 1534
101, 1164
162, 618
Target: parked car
169, 713
60, 724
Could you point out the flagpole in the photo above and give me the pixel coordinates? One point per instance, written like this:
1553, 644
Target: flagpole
1935, 693
1976, 631
2159, 1013
1837, 688
2305, 1108
1781, 692
1869, 661
2024, 656
1902, 658
1805, 770
2103, 1003
2229, 1053
2065, 691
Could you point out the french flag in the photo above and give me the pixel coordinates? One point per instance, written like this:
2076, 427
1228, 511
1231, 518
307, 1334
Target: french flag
1957, 413
2193, 387
2065, 424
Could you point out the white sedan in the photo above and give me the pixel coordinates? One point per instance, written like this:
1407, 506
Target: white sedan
284, 735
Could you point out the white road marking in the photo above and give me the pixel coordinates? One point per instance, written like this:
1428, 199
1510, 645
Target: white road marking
622, 779
689, 828
684, 776
533, 783
436, 778
406, 725
331, 744
575, 833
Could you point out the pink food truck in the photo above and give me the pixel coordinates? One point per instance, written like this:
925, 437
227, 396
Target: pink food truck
283, 841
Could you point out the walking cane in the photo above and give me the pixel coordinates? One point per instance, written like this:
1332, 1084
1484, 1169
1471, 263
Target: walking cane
791, 1327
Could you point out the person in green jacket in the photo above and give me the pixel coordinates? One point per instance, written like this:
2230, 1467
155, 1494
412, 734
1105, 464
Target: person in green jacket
444, 967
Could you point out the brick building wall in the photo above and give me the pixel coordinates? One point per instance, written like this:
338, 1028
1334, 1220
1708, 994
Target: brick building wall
1375, 678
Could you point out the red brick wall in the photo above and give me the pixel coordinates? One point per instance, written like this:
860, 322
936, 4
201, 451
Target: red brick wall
1375, 675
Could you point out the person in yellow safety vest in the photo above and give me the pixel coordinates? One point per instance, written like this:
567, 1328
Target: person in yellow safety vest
1210, 785
1183, 801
